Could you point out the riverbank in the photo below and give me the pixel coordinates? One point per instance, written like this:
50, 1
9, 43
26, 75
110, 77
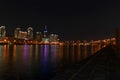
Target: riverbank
102, 65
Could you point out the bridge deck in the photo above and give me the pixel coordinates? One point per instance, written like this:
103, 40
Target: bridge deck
104, 65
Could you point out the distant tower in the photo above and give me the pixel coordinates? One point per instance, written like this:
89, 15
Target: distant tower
30, 33
45, 32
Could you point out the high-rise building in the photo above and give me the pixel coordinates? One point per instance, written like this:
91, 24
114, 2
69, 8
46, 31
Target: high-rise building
22, 34
45, 32
17, 33
45, 38
30, 33
38, 36
2, 31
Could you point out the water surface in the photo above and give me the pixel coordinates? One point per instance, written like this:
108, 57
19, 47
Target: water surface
38, 62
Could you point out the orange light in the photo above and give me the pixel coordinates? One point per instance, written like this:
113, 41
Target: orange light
61, 43
5, 40
14, 40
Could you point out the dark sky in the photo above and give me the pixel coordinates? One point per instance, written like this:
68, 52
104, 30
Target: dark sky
86, 19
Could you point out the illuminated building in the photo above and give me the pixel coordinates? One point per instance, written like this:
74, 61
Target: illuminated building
16, 33
53, 38
30, 33
22, 34
38, 36
45, 32
45, 38
2, 31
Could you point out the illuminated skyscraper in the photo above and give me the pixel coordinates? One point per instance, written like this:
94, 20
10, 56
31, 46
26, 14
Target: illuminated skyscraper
17, 32
45, 32
30, 33
45, 38
2, 31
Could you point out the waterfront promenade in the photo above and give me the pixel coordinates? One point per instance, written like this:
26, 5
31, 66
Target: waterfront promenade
103, 65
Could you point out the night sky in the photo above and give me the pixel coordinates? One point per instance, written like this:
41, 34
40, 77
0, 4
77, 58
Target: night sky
83, 20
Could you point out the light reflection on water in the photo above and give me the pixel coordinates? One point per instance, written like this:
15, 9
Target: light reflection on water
38, 61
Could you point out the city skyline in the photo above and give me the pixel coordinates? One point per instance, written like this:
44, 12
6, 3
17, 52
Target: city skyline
28, 28
84, 20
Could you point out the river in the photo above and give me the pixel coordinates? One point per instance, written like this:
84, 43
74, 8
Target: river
38, 62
